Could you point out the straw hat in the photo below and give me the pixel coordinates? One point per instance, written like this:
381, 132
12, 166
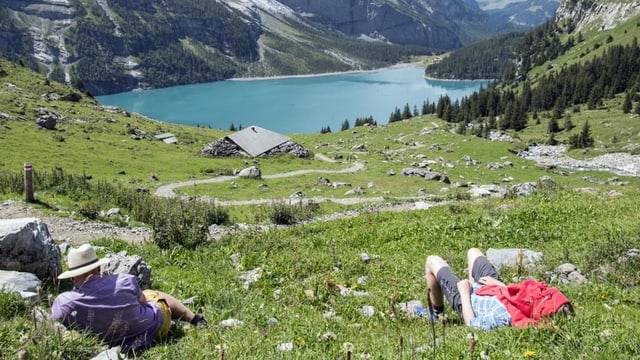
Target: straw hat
81, 261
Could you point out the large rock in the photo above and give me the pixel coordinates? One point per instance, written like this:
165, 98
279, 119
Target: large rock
252, 172
27, 246
21, 282
509, 257
122, 263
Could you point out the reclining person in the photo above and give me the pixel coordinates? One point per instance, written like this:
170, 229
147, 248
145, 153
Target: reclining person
114, 307
484, 301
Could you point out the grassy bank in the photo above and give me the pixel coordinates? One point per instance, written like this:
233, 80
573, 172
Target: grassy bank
301, 266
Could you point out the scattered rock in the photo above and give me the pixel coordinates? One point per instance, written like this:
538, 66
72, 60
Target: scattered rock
230, 323
323, 181
356, 191
568, 274
487, 191
250, 277
367, 310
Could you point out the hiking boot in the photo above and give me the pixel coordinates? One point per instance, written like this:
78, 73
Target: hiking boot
199, 321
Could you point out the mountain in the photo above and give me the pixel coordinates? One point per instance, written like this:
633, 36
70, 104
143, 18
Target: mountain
586, 15
108, 46
526, 14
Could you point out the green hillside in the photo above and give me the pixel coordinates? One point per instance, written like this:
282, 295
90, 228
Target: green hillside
586, 218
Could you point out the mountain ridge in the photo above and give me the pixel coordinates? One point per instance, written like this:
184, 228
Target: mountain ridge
111, 46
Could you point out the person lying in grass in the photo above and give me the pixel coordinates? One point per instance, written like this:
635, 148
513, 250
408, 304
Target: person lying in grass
114, 307
484, 301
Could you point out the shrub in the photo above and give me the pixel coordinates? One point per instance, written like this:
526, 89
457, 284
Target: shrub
184, 223
287, 214
90, 209
11, 305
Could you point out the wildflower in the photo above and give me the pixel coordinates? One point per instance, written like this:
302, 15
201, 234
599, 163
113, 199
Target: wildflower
529, 353
300, 341
348, 347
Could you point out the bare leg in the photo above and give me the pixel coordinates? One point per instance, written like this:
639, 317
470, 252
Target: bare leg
472, 255
178, 310
432, 266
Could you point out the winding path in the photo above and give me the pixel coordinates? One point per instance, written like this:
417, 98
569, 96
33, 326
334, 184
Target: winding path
167, 190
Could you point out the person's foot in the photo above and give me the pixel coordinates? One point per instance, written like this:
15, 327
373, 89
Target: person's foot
426, 313
199, 321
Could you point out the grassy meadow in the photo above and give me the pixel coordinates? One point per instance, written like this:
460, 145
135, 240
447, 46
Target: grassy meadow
295, 303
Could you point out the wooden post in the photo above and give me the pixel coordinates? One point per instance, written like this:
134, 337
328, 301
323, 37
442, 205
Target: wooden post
28, 182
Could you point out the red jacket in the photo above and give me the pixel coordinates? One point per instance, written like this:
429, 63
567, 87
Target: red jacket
528, 301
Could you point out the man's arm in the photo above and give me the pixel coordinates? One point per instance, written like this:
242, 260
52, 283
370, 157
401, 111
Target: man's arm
464, 288
488, 280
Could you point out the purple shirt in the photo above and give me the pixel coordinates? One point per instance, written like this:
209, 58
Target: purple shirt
109, 307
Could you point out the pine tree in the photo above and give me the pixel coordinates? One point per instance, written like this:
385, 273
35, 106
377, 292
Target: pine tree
406, 112
582, 140
568, 124
345, 125
627, 105
553, 126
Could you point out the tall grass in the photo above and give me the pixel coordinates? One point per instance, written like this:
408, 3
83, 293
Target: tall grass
302, 266
174, 221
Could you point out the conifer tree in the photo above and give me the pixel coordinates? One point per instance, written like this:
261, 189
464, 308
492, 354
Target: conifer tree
406, 112
627, 105
553, 126
345, 125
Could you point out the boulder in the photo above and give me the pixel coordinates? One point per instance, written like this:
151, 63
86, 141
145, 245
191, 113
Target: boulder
569, 274
252, 172
509, 257
122, 263
524, 189
488, 191
27, 246
21, 282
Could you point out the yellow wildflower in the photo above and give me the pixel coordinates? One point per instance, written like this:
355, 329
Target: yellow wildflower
529, 353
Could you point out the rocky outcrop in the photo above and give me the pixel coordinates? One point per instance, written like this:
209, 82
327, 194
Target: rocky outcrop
582, 15
380, 20
27, 246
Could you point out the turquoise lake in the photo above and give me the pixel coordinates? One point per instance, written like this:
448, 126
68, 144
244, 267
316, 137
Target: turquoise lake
295, 104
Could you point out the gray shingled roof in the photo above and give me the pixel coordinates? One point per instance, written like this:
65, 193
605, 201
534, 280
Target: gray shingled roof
256, 140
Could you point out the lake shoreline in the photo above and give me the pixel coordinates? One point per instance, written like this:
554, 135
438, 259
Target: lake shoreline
302, 76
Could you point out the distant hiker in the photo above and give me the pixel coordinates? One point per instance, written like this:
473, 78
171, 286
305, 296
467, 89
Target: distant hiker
114, 307
484, 301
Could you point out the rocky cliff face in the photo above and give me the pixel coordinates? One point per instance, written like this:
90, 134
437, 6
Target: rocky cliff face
582, 15
526, 13
419, 22
45, 22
